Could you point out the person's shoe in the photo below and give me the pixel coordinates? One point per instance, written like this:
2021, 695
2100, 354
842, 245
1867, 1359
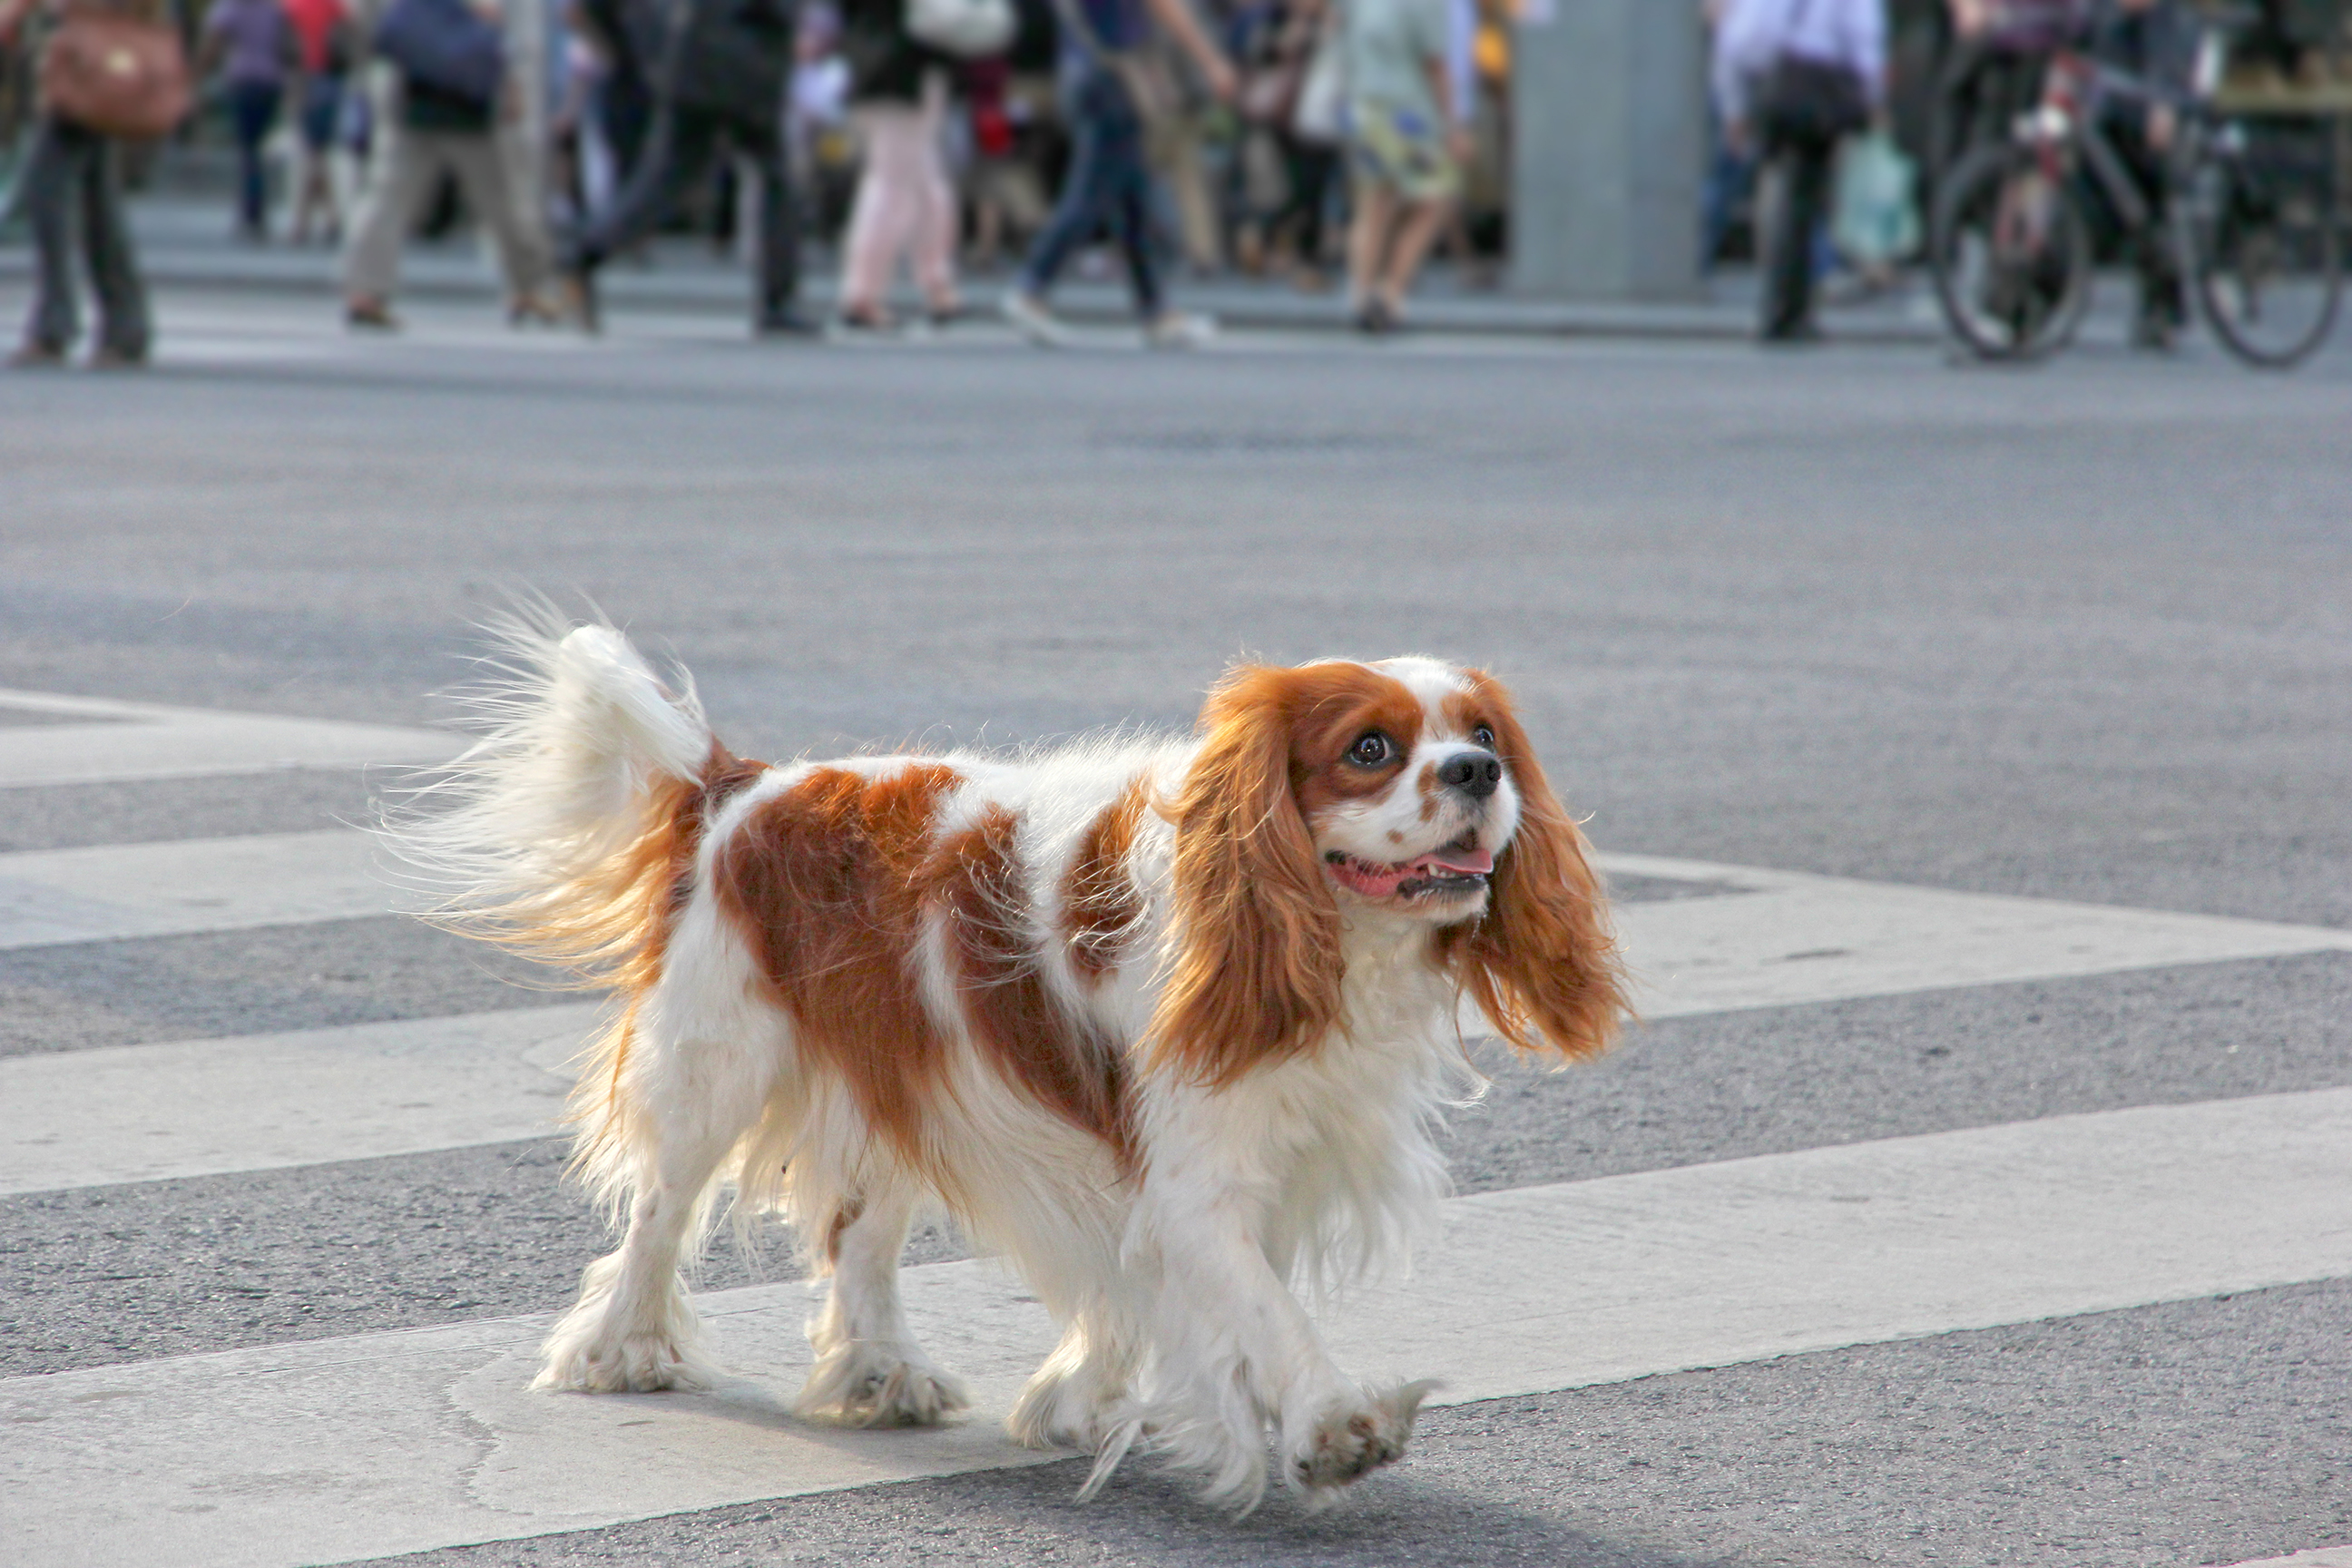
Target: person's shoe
107, 357
37, 356
370, 316
1792, 334
577, 291
1032, 320
1178, 330
533, 310
863, 322
1374, 319
785, 324
2154, 332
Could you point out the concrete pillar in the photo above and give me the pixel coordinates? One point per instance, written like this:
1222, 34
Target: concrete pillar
1609, 132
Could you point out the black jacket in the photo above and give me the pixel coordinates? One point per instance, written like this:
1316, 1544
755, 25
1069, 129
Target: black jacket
884, 64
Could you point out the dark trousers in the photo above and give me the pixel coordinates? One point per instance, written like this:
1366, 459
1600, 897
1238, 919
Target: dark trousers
2160, 295
1799, 168
1108, 182
252, 111
1309, 169
679, 151
69, 163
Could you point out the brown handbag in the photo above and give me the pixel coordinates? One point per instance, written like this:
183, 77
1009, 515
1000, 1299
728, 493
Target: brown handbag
116, 75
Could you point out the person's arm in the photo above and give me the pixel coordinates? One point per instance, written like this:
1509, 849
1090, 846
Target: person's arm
1182, 26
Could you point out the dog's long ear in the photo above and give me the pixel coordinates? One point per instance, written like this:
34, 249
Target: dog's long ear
1540, 963
1255, 968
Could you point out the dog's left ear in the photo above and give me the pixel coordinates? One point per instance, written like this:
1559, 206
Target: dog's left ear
1540, 963
1255, 968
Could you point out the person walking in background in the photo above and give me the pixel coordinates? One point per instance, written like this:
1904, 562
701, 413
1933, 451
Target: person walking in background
721, 84
905, 207
450, 57
324, 30
72, 162
1408, 142
2154, 42
1108, 182
250, 49
1792, 79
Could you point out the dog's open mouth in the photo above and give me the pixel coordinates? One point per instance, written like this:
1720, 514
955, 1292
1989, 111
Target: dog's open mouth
1460, 866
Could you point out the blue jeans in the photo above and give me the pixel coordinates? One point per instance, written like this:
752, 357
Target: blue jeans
252, 111
1106, 182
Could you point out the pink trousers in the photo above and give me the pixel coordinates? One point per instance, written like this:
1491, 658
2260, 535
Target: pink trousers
904, 205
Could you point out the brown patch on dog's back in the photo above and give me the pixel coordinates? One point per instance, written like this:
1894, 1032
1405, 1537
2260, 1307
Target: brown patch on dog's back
1099, 901
1063, 1062
822, 883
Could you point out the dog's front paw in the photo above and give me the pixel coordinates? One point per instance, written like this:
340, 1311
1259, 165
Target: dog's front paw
1354, 1437
868, 1384
627, 1364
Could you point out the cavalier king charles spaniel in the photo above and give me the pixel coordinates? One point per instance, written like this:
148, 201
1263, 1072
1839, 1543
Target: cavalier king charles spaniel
1167, 1022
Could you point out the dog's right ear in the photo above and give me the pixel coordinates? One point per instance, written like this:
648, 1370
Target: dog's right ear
1253, 975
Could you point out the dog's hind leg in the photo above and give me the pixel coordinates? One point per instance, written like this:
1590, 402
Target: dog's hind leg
681, 1104
869, 1371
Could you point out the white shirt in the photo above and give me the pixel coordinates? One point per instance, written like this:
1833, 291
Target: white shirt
1754, 34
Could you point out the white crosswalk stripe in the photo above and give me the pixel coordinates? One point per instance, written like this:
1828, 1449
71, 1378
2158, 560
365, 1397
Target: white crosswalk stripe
344, 1448
337, 1448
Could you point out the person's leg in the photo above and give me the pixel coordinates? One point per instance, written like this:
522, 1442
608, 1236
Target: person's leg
1803, 167
676, 151
122, 325
48, 180
482, 176
1087, 190
1368, 240
936, 216
253, 109
371, 259
1418, 226
780, 222
884, 214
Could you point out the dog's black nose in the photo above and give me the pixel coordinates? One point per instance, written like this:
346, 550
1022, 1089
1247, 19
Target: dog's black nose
1475, 774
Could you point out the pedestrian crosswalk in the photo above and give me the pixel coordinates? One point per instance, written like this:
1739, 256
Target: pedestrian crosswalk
336, 1448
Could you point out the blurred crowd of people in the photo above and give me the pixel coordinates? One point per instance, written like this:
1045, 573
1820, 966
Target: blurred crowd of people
1335, 143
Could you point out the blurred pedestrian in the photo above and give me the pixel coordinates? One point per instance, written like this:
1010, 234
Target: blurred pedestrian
905, 205
627, 35
323, 29
1108, 182
720, 84
109, 69
452, 88
251, 50
1408, 139
2153, 43
1792, 79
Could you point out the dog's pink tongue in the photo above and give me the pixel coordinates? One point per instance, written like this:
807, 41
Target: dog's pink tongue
1462, 862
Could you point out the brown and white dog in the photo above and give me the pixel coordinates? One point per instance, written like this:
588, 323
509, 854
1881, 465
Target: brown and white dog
1167, 1022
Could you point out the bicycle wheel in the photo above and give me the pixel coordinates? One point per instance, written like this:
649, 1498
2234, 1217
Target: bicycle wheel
2267, 258
2011, 254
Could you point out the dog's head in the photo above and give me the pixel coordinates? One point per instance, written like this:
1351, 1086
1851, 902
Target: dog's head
1403, 793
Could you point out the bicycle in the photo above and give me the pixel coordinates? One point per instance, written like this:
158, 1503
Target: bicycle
2010, 243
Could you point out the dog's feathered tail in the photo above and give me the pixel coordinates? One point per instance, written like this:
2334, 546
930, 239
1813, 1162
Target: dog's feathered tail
563, 831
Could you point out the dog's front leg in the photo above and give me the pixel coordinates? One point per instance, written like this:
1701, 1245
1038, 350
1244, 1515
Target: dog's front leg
1236, 1353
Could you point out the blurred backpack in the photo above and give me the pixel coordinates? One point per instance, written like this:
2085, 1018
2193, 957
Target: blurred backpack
445, 44
730, 58
116, 75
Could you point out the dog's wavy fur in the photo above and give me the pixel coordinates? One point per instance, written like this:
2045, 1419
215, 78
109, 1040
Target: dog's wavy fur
1121, 1008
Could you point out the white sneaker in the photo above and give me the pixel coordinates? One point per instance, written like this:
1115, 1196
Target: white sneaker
1176, 329
1030, 317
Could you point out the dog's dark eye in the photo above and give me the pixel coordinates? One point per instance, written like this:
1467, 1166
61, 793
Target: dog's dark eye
1483, 737
1371, 749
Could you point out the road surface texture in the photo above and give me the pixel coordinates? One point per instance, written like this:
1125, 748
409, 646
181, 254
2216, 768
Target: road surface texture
1971, 753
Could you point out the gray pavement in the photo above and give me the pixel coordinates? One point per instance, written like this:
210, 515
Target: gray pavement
2082, 633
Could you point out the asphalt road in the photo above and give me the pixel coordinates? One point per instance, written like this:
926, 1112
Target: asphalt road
2082, 634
